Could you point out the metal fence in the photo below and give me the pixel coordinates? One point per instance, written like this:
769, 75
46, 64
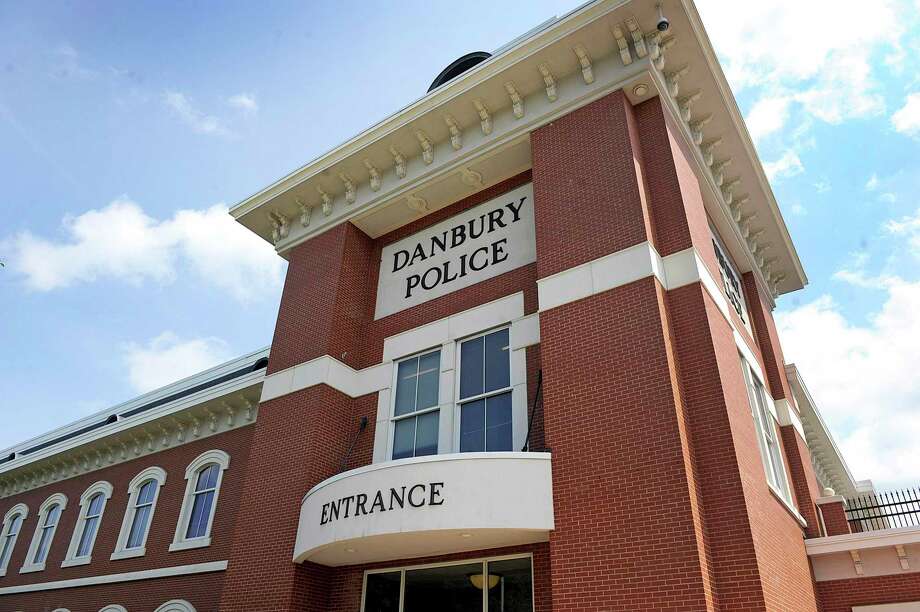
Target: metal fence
888, 510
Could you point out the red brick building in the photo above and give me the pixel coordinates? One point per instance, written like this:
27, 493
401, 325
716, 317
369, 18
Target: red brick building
525, 359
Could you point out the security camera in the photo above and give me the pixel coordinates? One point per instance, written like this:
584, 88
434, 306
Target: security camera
663, 24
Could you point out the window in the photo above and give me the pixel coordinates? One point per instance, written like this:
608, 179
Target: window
176, 605
489, 585
143, 492
730, 281
12, 525
92, 505
113, 608
416, 413
467, 371
485, 393
767, 433
49, 515
203, 477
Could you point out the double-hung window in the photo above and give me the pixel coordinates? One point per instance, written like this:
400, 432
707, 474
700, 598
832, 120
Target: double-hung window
12, 524
767, 432
416, 413
731, 281
203, 478
49, 515
92, 506
143, 508
143, 491
485, 393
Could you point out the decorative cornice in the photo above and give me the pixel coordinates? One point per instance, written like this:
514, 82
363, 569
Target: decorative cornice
125, 446
440, 117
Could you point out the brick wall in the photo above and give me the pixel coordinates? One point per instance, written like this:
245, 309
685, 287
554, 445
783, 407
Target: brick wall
327, 307
236, 443
200, 590
802, 478
834, 516
842, 595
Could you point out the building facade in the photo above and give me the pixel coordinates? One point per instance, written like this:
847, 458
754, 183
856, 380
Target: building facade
525, 359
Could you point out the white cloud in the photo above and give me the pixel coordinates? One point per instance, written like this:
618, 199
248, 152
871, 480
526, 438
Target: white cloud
167, 358
872, 183
907, 227
823, 186
768, 115
122, 242
244, 101
907, 119
863, 375
200, 122
813, 52
787, 165
798, 210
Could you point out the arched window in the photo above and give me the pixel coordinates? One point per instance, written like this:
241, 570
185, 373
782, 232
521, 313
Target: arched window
176, 605
12, 525
143, 492
92, 505
49, 516
203, 478
113, 608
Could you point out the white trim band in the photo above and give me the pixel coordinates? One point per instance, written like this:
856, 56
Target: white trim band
162, 572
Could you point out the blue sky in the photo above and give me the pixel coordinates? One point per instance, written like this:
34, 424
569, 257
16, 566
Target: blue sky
127, 128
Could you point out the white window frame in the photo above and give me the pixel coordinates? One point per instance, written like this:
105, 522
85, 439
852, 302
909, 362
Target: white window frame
113, 608
766, 427
176, 605
158, 475
458, 403
482, 560
19, 509
720, 249
205, 459
446, 332
52, 500
394, 419
105, 489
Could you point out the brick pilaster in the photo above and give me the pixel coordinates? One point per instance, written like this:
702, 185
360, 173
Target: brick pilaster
834, 514
300, 438
626, 533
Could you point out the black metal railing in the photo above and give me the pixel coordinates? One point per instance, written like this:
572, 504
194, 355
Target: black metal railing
888, 510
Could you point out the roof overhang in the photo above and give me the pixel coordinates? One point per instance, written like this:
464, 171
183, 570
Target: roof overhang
828, 461
474, 131
216, 400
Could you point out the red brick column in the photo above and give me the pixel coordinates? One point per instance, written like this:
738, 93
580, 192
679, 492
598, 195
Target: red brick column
626, 533
834, 514
660, 492
802, 478
798, 457
300, 438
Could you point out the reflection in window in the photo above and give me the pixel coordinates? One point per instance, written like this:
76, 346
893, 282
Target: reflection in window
382, 592
767, 433
205, 489
10, 535
416, 411
731, 282
485, 393
143, 507
503, 585
90, 524
47, 533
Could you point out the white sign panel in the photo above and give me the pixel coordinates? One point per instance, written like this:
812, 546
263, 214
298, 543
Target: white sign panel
487, 240
422, 506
